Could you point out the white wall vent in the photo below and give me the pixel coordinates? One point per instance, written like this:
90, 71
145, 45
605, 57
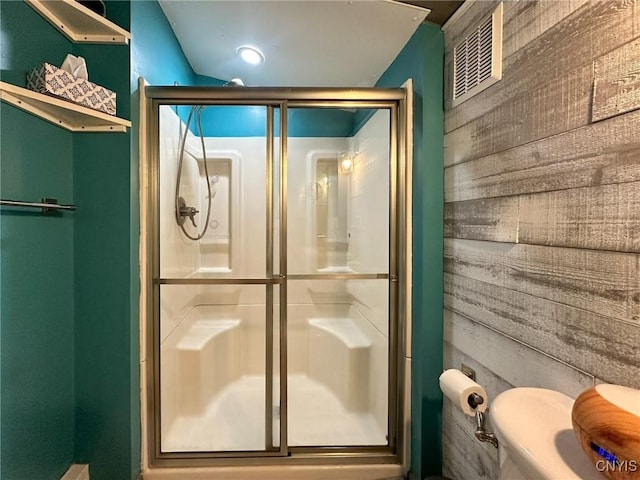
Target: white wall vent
477, 60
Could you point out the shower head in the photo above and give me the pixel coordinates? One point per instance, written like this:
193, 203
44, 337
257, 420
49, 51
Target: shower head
234, 82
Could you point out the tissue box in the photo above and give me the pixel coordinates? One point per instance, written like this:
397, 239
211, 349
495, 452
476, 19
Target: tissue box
51, 80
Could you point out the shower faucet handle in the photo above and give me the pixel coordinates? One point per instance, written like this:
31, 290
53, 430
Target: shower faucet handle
191, 215
184, 211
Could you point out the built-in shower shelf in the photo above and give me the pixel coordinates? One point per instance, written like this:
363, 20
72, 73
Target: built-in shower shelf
70, 116
78, 23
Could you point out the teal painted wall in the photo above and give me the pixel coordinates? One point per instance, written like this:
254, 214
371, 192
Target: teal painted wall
428, 258
69, 391
422, 60
243, 121
36, 268
106, 277
156, 55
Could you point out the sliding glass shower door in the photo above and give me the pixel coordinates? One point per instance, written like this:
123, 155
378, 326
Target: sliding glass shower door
215, 289
338, 268
275, 245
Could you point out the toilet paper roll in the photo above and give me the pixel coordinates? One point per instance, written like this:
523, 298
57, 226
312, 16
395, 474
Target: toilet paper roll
458, 387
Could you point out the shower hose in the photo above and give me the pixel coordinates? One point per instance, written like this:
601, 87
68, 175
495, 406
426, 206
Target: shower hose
197, 109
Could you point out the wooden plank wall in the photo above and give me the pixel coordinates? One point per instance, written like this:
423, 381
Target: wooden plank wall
542, 210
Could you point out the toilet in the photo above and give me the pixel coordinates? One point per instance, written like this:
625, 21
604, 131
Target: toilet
536, 438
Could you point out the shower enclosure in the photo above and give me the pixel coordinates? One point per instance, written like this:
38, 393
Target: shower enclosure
278, 334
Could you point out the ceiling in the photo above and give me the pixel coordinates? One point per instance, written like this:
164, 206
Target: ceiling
441, 10
324, 43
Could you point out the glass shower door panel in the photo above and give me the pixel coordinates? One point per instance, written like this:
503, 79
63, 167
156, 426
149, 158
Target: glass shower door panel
213, 368
212, 192
338, 365
338, 191
338, 321
218, 386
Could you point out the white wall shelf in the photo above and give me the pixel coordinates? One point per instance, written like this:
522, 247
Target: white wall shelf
68, 115
78, 23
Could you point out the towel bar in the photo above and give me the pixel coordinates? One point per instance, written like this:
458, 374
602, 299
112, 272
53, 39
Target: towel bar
48, 205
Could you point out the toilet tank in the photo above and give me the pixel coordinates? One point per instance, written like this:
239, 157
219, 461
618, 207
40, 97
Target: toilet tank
536, 438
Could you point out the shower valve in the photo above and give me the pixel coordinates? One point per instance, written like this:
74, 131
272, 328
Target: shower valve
184, 212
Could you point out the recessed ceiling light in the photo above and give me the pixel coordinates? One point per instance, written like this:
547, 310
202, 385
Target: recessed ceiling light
250, 55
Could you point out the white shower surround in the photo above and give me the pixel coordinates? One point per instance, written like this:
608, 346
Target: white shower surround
216, 355
180, 256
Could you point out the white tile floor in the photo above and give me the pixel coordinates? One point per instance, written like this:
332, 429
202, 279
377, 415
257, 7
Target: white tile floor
234, 420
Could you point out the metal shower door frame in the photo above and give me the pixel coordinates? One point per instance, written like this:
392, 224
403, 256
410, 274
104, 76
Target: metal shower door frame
395, 100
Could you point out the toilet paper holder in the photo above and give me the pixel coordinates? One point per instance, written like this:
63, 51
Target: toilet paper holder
481, 432
461, 388
474, 400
